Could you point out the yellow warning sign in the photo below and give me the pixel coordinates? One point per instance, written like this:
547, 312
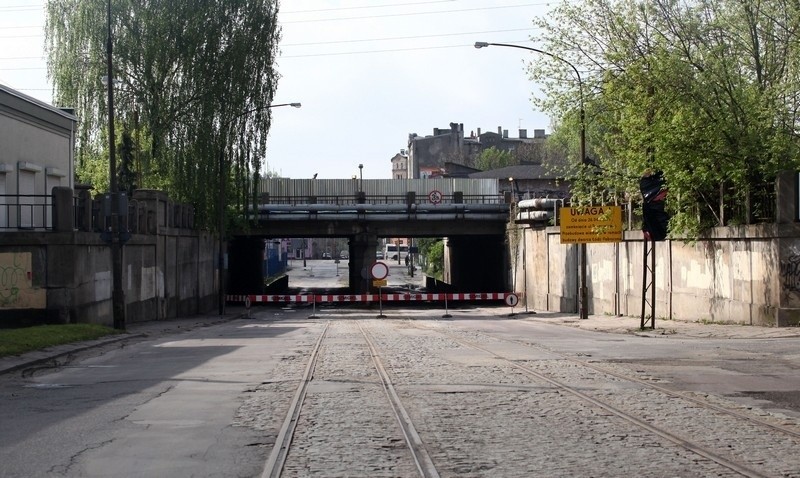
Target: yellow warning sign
585, 224
379, 283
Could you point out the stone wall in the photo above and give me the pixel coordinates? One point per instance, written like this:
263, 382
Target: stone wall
62, 276
740, 274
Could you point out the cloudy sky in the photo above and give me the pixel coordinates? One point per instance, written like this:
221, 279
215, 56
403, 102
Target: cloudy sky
367, 72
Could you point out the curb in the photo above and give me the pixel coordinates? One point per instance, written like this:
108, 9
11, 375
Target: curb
53, 353
31, 359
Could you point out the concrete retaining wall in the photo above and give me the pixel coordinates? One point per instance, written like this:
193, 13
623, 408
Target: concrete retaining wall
62, 277
743, 275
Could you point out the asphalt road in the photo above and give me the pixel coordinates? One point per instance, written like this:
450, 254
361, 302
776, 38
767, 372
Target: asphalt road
184, 404
328, 274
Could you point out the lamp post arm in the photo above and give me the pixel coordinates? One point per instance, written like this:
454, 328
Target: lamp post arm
509, 45
260, 108
583, 302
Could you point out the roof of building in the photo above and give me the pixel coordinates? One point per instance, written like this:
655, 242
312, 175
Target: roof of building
32, 106
520, 171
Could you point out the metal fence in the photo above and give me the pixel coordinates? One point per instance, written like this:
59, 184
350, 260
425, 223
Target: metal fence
34, 212
26, 211
277, 187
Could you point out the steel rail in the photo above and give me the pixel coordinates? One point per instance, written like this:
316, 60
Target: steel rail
685, 443
283, 441
422, 459
666, 391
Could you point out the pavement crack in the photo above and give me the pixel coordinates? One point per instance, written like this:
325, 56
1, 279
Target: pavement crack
66, 470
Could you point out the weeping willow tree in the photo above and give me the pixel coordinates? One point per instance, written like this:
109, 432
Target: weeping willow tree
193, 85
706, 90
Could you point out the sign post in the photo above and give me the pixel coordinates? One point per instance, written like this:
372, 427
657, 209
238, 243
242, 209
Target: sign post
511, 301
379, 272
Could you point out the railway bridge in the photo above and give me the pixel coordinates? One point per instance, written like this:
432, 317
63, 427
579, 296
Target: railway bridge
472, 215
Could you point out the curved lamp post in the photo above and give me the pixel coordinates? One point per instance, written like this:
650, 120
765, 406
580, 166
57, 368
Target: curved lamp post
583, 302
221, 205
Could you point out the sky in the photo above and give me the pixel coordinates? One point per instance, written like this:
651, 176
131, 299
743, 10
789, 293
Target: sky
367, 72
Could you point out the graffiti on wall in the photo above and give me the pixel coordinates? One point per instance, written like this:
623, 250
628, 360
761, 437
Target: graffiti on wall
16, 283
790, 273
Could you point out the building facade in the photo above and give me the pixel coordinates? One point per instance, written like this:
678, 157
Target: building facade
400, 165
37, 144
428, 155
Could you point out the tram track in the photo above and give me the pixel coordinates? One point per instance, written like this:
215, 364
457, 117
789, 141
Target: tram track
791, 432
423, 461
735, 465
283, 441
275, 466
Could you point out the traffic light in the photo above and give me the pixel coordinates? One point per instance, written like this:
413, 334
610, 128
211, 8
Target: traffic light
655, 220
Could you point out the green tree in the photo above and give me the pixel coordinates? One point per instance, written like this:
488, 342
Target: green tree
493, 158
706, 91
195, 83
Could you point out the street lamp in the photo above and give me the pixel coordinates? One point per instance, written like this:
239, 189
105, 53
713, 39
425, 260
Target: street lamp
221, 204
583, 302
293, 105
361, 177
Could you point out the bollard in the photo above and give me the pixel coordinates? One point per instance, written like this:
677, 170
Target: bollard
380, 303
313, 307
446, 315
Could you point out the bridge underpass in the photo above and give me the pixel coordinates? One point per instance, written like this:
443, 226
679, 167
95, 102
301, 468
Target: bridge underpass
473, 225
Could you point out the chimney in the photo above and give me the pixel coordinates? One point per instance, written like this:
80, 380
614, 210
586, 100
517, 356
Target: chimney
538, 133
436, 131
499, 131
505, 134
479, 132
523, 134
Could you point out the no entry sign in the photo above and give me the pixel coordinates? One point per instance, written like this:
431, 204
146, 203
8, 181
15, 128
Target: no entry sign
379, 270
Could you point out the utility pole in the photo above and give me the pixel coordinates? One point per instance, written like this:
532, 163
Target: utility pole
117, 292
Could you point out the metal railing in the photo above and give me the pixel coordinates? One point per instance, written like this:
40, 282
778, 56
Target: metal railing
379, 199
26, 211
35, 212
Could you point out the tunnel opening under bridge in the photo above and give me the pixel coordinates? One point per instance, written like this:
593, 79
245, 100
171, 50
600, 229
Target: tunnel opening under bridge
325, 264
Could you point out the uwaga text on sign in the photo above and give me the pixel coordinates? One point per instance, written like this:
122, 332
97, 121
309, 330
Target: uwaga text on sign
585, 224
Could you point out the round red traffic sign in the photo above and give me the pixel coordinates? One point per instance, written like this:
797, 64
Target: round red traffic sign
512, 300
379, 270
435, 197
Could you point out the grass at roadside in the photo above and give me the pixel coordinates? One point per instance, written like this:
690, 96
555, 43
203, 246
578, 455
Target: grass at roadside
19, 341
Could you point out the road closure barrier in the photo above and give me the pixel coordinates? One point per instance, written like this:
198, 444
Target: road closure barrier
367, 298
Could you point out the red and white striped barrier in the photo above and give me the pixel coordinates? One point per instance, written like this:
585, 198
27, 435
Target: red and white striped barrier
282, 299
364, 298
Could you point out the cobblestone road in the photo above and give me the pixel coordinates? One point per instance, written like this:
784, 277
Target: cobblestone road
480, 415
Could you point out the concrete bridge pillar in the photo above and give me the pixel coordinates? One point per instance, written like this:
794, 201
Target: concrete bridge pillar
362, 254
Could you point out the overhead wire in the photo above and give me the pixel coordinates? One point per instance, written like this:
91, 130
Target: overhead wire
414, 37
361, 7
408, 14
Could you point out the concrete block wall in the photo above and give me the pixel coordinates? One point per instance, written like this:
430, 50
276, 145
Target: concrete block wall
62, 277
743, 274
